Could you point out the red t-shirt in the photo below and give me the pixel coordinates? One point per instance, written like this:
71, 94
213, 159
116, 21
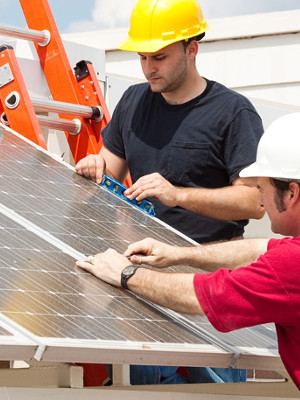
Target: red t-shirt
267, 290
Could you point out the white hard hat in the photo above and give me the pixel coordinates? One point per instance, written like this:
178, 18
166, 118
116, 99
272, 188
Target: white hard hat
278, 151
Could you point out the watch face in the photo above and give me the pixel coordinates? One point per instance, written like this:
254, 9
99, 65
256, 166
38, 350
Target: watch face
126, 274
128, 270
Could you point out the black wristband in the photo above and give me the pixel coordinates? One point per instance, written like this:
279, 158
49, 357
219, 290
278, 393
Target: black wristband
126, 274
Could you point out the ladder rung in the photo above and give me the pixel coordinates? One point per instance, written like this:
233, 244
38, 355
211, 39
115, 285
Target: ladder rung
71, 126
41, 37
94, 113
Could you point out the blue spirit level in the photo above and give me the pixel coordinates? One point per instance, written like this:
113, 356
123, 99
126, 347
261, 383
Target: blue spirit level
116, 187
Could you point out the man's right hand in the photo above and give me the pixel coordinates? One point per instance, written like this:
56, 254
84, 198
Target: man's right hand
91, 166
152, 252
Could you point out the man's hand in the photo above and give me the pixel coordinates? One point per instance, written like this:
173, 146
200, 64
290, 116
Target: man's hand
91, 166
106, 266
153, 185
168, 289
152, 252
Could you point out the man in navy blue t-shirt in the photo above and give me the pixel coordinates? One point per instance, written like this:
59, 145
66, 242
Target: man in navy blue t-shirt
183, 138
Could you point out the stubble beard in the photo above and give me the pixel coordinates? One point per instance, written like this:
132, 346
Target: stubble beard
175, 79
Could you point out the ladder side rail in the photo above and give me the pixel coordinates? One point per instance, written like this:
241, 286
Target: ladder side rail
17, 108
91, 91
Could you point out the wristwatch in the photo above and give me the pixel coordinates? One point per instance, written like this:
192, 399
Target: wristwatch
127, 273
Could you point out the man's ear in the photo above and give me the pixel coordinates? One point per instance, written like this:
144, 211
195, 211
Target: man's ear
294, 192
193, 48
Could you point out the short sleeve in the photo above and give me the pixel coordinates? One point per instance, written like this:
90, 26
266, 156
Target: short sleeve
243, 135
251, 295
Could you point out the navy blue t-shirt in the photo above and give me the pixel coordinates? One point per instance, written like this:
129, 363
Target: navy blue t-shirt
202, 143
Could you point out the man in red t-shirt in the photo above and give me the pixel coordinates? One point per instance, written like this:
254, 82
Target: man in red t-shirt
249, 282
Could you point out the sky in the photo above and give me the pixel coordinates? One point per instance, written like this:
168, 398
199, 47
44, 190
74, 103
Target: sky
86, 15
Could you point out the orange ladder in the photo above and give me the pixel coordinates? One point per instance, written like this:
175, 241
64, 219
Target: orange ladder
79, 89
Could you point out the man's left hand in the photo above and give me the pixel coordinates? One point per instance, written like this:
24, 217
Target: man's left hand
107, 266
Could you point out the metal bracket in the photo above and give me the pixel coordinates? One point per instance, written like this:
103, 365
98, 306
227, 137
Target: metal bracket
12, 100
6, 75
81, 71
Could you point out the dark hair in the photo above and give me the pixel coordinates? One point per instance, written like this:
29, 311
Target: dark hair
186, 42
280, 188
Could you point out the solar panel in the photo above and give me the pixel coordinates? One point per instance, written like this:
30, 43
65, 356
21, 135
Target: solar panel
50, 217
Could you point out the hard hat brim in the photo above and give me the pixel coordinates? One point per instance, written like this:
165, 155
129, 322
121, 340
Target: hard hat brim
143, 46
255, 170
152, 46
252, 171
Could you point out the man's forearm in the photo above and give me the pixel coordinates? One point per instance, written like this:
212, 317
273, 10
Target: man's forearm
115, 166
229, 203
211, 257
168, 289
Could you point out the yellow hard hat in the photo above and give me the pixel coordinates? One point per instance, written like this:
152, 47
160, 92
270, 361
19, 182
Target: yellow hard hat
158, 23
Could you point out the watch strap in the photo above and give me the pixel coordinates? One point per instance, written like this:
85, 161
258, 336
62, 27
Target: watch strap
127, 273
